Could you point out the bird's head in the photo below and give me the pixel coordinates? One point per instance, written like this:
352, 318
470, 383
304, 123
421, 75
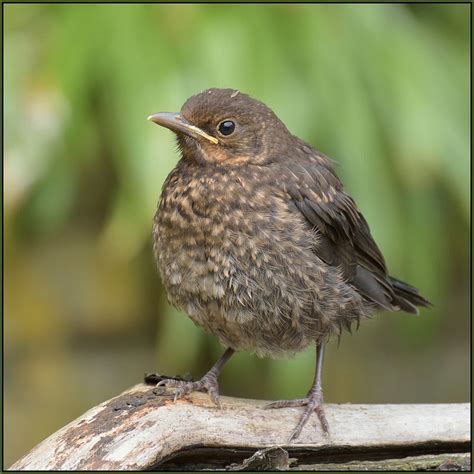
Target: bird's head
227, 127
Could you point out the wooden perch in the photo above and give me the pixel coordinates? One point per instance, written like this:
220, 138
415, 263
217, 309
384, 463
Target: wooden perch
144, 430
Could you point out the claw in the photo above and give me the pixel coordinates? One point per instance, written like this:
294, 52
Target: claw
295, 433
215, 397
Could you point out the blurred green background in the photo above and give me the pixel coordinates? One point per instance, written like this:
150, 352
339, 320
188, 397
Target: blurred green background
382, 89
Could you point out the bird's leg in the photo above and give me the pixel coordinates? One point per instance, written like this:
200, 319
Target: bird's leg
208, 383
313, 401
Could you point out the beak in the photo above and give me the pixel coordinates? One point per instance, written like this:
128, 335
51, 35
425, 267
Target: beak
178, 124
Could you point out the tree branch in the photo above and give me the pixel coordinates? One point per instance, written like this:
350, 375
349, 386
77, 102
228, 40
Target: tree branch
144, 430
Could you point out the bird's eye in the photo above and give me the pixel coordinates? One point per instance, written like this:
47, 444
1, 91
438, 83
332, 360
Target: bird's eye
226, 127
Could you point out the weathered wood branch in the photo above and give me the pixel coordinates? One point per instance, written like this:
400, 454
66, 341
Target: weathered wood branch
143, 430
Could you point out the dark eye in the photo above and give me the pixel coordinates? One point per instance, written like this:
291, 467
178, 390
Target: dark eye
226, 127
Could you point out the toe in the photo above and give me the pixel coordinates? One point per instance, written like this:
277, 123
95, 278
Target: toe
214, 394
295, 433
210, 385
178, 394
184, 388
299, 402
169, 383
322, 419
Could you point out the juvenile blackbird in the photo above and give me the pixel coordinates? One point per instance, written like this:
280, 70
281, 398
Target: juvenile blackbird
257, 241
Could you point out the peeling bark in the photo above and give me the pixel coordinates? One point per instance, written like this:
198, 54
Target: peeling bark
144, 430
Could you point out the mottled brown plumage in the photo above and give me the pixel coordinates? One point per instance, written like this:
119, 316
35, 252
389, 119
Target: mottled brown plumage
258, 243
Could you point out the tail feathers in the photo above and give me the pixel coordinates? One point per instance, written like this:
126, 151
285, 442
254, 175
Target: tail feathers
407, 296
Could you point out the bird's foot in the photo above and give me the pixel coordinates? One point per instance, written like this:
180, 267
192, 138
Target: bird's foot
313, 402
207, 384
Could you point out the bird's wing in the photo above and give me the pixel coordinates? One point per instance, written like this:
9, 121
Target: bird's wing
343, 237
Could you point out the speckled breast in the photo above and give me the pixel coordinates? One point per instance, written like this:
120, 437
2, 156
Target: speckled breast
236, 257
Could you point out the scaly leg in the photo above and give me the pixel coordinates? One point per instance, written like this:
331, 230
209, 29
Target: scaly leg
313, 401
208, 383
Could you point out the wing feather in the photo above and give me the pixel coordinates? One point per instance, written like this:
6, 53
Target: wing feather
344, 238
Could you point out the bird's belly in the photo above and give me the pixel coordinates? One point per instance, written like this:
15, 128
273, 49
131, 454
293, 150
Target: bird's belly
230, 286
264, 301
245, 313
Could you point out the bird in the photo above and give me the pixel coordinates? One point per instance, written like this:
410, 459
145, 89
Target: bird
257, 241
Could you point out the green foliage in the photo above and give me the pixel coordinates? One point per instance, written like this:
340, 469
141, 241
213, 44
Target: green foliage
382, 89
